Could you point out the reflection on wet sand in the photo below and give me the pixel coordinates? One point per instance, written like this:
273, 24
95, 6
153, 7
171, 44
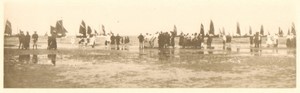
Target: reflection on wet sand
165, 54
152, 68
35, 59
256, 52
52, 57
24, 58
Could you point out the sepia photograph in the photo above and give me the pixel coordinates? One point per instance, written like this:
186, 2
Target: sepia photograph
149, 44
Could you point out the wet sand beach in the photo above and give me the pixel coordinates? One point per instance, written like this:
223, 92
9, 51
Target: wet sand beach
149, 68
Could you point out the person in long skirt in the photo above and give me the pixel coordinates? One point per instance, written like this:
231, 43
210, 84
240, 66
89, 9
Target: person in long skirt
275, 40
27, 40
112, 40
141, 41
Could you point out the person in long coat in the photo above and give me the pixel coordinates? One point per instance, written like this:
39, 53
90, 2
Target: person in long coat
209, 40
27, 41
21, 40
256, 40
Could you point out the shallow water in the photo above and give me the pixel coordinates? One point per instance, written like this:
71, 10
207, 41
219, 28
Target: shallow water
143, 68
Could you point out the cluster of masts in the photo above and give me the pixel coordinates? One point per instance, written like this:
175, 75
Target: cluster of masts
85, 30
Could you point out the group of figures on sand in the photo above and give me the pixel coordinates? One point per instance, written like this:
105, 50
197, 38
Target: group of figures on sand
165, 39
89, 40
272, 40
195, 40
24, 40
116, 42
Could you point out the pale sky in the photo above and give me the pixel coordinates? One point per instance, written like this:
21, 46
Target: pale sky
131, 17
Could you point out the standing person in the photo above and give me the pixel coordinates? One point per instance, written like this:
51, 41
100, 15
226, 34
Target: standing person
52, 44
173, 34
107, 40
289, 40
92, 40
27, 40
141, 41
269, 41
160, 40
112, 39
126, 42
224, 40
167, 41
118, 39
260, 39
251, 39
185, 41
209, 40
21, 40
35, 37
152, 40
146, 40
276, 40
256, 40
194, 40
200, 40
228, 41
181, 39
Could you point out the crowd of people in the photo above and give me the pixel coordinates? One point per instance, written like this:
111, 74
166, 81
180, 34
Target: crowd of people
24, 40
116, 42
191, 40
164, 40
197, 40
90, 40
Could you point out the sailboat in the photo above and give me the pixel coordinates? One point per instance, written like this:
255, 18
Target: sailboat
8, 29
59, 30
82, 30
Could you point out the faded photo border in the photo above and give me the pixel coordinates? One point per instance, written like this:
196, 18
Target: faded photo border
146, 90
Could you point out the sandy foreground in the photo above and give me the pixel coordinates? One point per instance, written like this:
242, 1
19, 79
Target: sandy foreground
149, 68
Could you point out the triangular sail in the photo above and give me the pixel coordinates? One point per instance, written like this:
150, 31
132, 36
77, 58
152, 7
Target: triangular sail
238, 30
103, 29
82, 29
8, 29
211, 28
60, 30
175, 30
89, 31
52, 30
202, 30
